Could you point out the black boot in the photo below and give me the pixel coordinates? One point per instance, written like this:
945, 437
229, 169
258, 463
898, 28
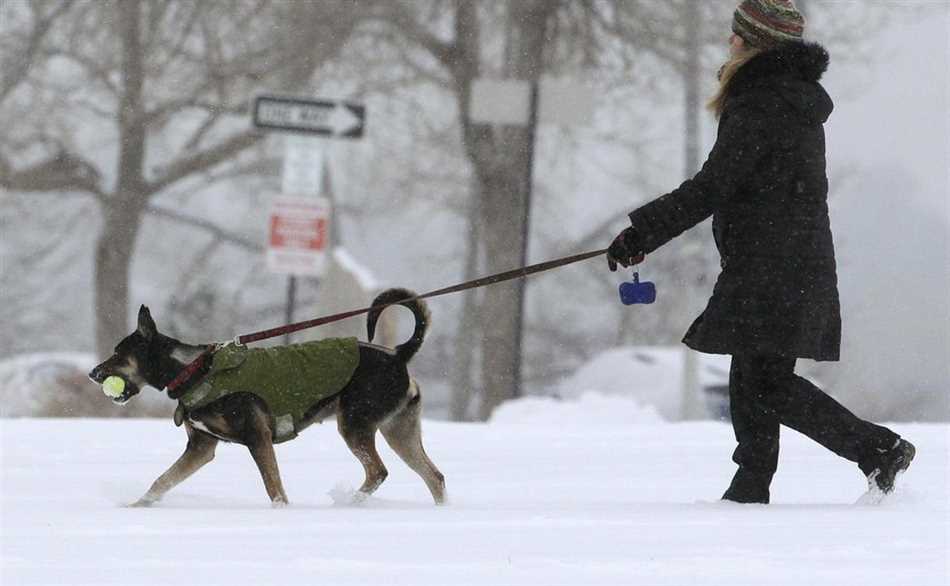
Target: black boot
883, 467
748, 487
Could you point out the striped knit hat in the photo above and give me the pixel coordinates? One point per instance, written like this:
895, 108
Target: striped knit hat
765, 23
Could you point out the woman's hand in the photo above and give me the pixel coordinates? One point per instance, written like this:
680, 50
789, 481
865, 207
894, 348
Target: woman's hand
625, 250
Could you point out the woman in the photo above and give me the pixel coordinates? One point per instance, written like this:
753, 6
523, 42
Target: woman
776, 299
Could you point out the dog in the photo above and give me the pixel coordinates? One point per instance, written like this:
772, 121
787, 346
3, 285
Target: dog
376, 393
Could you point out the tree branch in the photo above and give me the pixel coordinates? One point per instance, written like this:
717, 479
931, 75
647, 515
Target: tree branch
399, 15
202, 224
201, 161
42, 25
62, 172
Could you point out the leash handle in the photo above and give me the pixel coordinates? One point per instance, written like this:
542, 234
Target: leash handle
480, 282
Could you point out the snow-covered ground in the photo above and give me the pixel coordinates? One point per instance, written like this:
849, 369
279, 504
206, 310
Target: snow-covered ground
533, 500
28, 379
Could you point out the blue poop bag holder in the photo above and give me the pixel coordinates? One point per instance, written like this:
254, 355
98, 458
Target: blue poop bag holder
637, 292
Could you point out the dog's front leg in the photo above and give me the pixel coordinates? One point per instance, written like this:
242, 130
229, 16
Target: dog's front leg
261, 445
200, 451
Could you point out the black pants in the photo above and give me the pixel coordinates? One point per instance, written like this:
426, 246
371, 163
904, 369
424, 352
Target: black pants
764, 392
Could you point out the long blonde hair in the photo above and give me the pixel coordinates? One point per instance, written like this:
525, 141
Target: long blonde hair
717, 103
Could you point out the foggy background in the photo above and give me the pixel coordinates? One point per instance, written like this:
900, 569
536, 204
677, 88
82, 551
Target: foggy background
411, 209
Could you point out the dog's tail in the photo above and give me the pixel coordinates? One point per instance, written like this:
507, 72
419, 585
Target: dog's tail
419, 309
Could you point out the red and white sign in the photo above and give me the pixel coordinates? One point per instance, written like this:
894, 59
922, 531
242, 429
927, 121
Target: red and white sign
298, 235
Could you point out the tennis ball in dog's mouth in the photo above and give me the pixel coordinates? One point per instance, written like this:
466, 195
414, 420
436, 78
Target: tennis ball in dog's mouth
113, 386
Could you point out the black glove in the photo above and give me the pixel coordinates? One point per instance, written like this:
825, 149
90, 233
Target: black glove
626, 249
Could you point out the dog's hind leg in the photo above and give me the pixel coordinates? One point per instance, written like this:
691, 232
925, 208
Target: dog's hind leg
362, 442
200, 451
261, 446
403, 432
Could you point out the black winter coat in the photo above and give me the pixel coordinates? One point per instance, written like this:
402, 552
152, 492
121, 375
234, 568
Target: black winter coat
765, 185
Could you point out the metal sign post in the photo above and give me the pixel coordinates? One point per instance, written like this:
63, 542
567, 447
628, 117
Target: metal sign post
300, 219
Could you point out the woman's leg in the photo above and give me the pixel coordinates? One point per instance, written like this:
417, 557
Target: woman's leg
800, 405
757, 431
756, 427
764, 391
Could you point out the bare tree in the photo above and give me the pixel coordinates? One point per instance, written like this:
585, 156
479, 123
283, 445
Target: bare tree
177, 73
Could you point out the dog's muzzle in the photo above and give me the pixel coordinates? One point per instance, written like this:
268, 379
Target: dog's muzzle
96, 375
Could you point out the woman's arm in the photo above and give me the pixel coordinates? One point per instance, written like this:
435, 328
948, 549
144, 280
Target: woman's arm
745, 137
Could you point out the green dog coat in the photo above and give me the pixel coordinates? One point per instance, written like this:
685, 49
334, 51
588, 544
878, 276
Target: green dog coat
289, 379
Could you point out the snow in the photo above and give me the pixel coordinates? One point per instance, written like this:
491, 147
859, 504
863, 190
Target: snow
651, 375
534, 499
590, 408
24, 377
363, 275
56, 383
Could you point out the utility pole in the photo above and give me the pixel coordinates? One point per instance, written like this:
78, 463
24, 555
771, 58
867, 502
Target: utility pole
692, 21
532, 130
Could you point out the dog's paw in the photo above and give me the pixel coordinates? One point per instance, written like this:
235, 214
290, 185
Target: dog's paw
346, 496
279, 504
142, 503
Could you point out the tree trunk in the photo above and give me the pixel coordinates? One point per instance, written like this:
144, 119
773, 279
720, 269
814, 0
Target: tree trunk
463, 385
505, 192
503, 217
122, 212
114, 252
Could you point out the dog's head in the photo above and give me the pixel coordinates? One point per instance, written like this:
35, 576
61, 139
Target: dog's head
133, 359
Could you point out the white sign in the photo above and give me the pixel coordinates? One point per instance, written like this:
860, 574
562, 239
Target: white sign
303, 165
500, 101
562, 101
298, 235
323, 117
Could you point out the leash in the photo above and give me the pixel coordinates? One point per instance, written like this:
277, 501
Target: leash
522, 272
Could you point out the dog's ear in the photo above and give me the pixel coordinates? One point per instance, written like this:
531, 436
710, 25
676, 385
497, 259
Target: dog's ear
146, 324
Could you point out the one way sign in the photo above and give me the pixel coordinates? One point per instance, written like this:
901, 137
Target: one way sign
323, 117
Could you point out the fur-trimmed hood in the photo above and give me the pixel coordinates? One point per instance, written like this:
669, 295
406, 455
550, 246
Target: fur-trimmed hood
792, 70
